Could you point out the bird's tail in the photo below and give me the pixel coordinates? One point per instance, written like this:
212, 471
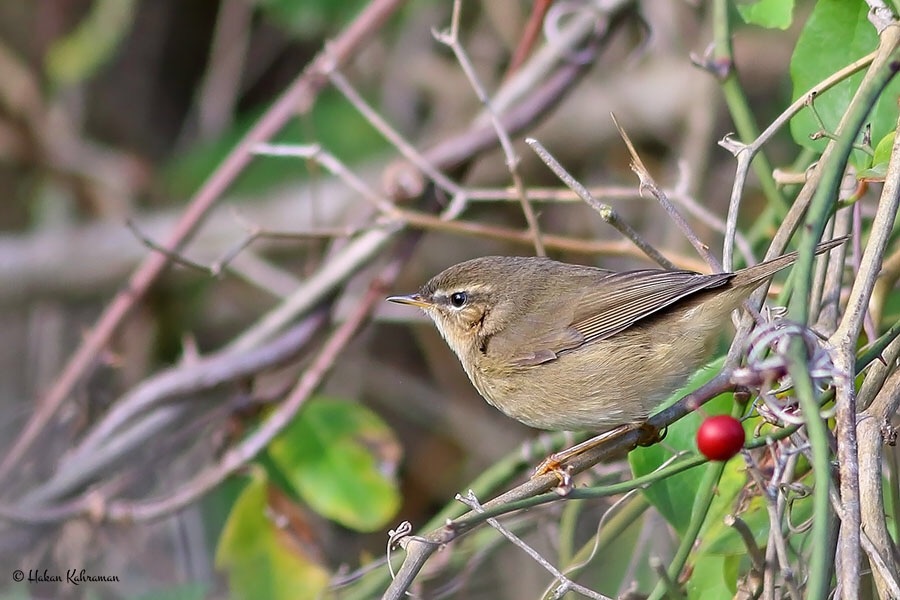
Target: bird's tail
758, 273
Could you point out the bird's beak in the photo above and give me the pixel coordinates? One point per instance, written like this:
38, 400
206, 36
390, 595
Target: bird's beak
412, 300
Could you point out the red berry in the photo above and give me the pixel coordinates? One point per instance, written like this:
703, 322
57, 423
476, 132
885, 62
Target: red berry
720, 437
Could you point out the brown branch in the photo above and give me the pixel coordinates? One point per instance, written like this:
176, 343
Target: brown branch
298, 97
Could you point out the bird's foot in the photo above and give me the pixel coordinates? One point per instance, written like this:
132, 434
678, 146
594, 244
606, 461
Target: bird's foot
556, 462
650, 434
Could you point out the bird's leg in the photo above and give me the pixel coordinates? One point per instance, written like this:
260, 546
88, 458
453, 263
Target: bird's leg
554, 463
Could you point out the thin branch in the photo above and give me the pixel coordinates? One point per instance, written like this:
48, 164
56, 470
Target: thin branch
565, 584
871, 431
175, 257
221, 84
451, 39
648, 183
405, 148
606, 212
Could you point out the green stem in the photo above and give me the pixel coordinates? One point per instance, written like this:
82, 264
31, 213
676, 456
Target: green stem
705, 494
743, 118
820, 563
600, 491
568, 528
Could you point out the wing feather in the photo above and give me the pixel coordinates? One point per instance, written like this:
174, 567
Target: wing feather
625, 298
611, 303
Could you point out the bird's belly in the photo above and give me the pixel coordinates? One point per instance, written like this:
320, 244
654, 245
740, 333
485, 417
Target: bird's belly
600, 385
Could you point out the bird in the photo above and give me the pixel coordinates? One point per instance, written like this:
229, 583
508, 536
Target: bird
561, 346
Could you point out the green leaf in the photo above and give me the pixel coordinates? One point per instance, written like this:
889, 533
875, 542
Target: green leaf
261, 560
771, 14
712, 577
883, 149
328, 455
80, 54
880, 160
873, 173
673, 496
836, 34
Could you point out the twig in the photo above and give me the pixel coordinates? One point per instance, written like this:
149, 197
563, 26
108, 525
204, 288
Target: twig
606, 212
529, 35
318, 154
175, 257
885, 570
757, 560
565, 584
775, 506
871, 427
744, 153
556, 242
648, 183
221, 85
451, 39
392, 135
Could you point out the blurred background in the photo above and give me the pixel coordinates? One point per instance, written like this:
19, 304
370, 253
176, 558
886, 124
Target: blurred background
118, 110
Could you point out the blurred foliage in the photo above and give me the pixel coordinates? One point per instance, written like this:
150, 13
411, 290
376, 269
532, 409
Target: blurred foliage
188, 591
334, 469
776, 14
332, 123
309, 18
262, 560
79, 55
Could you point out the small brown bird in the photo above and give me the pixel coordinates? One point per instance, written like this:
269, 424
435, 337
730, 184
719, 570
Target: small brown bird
569, 347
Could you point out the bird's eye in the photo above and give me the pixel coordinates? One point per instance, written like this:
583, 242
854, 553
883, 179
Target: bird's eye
459, 299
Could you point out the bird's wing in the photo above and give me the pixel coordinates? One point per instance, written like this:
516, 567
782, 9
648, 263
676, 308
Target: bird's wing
622, 299
610, 303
